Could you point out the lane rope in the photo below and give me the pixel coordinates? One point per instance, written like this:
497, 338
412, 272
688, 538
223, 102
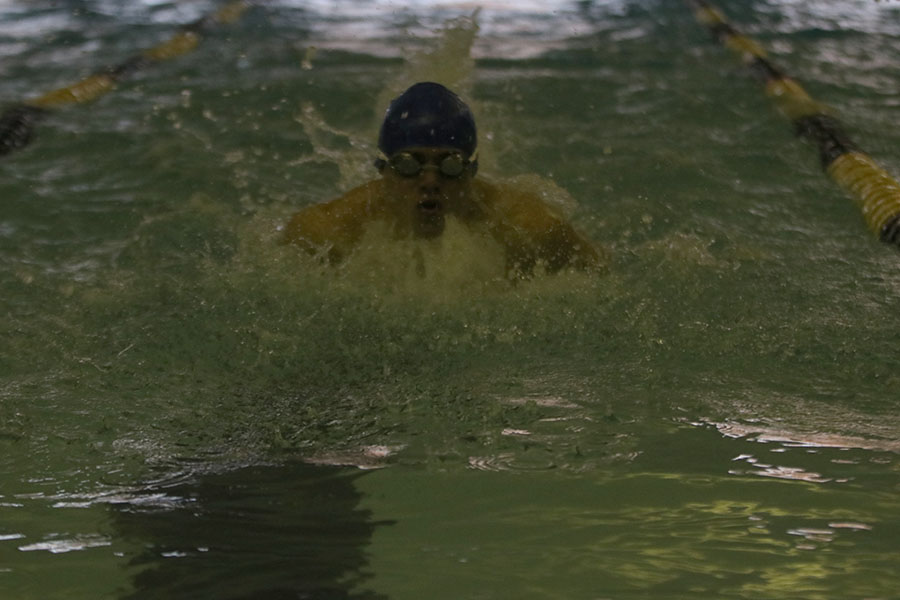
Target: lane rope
875, 191
18, 122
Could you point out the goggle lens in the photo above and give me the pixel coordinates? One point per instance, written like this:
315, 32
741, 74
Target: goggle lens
407, 165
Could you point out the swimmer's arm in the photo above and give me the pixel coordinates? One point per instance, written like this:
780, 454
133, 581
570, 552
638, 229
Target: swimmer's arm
560, 246
538, 235
331, 229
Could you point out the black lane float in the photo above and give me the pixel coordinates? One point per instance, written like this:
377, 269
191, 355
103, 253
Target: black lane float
17, 122
875, 191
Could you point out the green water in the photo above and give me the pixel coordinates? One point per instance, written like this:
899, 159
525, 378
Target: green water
189, 410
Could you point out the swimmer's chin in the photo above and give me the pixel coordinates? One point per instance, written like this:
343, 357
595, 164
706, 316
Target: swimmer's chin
429, 228
429, 221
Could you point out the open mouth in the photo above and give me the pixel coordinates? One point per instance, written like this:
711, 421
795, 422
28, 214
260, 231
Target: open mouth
430, 221
430, 207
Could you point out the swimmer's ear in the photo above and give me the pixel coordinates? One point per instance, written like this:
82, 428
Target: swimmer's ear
473, 166
380, 164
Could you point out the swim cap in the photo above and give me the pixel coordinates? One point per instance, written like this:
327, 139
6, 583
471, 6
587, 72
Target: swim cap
428, 115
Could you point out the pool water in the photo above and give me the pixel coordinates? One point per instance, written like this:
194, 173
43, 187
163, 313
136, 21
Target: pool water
190, 410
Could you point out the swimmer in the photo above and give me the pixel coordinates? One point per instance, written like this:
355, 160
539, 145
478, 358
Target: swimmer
428, 163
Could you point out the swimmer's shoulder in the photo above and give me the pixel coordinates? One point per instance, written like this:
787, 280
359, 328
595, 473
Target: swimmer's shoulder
532, 228
337, 223
515, 205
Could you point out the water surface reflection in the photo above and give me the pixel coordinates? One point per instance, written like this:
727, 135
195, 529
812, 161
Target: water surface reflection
291, 531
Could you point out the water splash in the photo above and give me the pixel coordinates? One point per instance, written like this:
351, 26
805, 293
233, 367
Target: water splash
448, 62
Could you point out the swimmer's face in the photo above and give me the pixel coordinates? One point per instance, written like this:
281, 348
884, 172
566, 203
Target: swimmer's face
426, 185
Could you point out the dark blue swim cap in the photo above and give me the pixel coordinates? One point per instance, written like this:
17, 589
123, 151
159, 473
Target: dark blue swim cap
428, 115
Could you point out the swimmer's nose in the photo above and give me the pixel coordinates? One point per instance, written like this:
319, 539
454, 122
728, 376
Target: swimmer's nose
429, 180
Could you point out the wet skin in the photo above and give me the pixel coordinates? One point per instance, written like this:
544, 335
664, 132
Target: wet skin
528, 229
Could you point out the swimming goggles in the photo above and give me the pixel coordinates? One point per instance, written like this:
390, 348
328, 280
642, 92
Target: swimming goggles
407, 164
